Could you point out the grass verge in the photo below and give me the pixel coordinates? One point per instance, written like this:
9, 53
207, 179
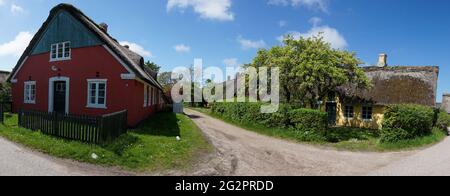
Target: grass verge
151, 147
342, 138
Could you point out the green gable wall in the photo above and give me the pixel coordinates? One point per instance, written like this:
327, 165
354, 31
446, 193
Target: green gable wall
64, 27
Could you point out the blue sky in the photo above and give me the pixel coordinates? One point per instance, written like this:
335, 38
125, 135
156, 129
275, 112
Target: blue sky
174, 32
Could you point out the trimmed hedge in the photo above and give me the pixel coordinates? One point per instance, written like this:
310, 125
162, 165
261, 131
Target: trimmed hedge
297, 119
403, 122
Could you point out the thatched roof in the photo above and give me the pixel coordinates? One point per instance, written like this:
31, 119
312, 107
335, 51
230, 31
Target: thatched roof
133, 60
396, 85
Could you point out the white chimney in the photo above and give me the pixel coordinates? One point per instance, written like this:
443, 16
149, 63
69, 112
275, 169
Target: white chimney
382, 60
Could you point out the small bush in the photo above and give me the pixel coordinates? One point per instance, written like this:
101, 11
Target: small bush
402, 122
443, 121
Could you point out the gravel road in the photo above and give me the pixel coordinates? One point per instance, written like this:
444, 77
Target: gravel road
241, 152
16, 160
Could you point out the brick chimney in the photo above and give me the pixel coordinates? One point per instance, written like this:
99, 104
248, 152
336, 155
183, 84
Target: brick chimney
382, 60
446, 102
104, 27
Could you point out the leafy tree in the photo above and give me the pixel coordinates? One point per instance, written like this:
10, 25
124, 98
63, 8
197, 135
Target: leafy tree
5, 92
310, 69
153, 66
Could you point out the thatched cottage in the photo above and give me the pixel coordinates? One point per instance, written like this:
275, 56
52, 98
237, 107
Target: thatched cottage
391, 85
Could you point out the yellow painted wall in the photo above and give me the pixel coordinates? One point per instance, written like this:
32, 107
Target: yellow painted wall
357, 121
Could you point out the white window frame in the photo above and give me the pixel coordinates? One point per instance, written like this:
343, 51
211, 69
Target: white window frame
63, 58
154, 96
146, 104
96, 105
26, 96
151, 96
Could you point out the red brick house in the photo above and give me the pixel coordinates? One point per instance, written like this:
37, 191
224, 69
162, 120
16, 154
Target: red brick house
73, 66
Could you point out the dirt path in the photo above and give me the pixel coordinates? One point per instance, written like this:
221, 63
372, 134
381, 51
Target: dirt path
241, 152
16, 160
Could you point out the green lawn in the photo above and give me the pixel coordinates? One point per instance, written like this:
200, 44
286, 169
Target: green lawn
341, 138
151, 147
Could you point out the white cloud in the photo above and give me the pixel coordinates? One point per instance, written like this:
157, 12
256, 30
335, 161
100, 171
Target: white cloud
282, 23
137, 48
315, 21
208, 9
181, 48
15, 9
314, 4
251, 44
16, 47
330, 35
2, 2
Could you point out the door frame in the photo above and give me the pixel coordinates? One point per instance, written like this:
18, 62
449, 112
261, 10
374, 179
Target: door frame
51, 88
334, 105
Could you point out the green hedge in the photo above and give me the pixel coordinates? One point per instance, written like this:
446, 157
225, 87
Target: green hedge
297, 119
402, 122
443, 120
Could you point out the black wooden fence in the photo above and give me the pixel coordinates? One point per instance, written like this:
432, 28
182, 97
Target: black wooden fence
4, 107
81, 128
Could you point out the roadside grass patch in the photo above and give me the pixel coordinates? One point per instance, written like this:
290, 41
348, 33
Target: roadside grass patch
150, 147
340, 138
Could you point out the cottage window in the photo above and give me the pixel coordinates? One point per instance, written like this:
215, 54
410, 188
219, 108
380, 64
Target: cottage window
153, 97
97, 93
367, 112
146, 96
60, 51
349, 112
30, 92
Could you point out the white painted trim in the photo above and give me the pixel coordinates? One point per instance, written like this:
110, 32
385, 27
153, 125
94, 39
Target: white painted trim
25, 84
96, 106
17, 71
118, 59
128, 76
63, 52
145, 96
14, 81
97, 80
61, 59
51, 83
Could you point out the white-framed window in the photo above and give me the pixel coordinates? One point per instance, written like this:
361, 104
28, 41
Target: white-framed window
29, 92
146, 96
152, 97
97, 93
60, 51
367, 112
349, 112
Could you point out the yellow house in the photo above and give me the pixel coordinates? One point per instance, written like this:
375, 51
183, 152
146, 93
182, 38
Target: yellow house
355, 107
